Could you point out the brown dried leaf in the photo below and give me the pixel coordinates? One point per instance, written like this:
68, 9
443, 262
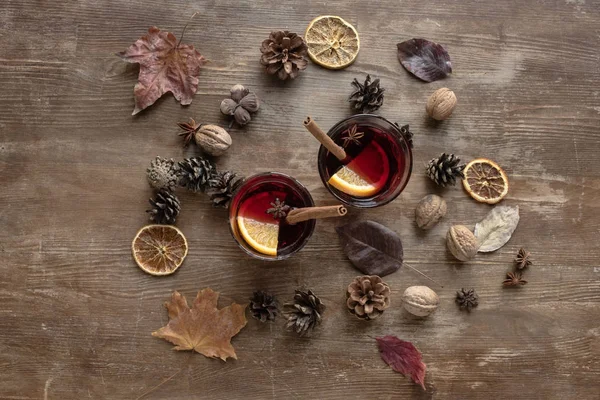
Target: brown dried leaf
202, 328
165, 66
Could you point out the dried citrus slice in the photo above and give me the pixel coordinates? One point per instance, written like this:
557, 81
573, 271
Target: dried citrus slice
332, 42
261, 236
485, 181
159, 249
365, 175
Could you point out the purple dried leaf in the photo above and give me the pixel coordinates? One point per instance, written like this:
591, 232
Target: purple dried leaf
424, 59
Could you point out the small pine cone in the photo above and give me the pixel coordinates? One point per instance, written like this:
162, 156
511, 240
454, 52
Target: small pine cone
165, 207
366, 97
284, 53
221, 188
408, 135
194, 173
467, 299
264, 306
304, 313
445, 169
368, 296
162, 173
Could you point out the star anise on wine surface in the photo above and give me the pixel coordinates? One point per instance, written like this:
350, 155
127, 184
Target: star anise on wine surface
522, 260
353, 136
188, 131
279, 209
514, 279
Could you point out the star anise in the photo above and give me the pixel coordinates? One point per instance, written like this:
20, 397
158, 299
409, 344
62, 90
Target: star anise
189, 129
279, 209
522, 259
514, 279
353, 136
408, 135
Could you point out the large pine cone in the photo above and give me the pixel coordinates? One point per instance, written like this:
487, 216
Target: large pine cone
284, 53
165, 207
194, 173
445, 169
221, 188
304, 313
368, 297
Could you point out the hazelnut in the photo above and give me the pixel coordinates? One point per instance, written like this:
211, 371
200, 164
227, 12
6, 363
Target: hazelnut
461, 242
441, 104
420, 300
213, 139
429, 211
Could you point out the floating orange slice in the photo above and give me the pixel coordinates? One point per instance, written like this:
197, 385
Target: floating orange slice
332, 42
259, 229
159, 249
485, 181
365, 175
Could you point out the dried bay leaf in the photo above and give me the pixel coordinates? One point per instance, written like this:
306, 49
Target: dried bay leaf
424, 59
203, 327
371, 247
496, 229
165, 66
403, 357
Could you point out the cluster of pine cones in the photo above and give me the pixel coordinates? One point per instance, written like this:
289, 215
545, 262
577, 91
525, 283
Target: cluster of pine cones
196, 174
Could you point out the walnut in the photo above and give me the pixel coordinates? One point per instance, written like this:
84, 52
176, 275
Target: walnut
441, 104
429, 211
420, 300
212, 139
461, 242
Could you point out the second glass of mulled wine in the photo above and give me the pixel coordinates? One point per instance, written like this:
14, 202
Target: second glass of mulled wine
377, 163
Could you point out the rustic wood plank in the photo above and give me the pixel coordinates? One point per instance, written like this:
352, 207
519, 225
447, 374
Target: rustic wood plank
76, 312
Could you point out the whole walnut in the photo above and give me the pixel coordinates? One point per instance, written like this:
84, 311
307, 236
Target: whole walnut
441, 104
429, 211
420, 300
212, 139
461, 242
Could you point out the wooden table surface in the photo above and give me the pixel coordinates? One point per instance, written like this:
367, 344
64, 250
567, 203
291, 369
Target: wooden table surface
77, 312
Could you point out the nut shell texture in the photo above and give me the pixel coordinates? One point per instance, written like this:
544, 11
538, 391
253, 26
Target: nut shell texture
461, 242
441, 103
213, 139
430, 210
420, 300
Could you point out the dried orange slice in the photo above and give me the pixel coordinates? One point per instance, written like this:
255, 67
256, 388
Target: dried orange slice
365, 175
485, 181
159, 249
332, 42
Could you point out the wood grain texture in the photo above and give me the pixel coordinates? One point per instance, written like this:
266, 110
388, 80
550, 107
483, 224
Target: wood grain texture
77, 313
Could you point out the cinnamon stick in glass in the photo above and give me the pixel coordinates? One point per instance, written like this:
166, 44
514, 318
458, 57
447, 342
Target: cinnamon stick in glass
306, 213
325, 140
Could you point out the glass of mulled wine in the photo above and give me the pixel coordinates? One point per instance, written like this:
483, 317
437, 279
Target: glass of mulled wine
377, 163
257, 216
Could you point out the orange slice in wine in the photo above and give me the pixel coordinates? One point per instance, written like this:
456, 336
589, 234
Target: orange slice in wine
259, 229
365, 175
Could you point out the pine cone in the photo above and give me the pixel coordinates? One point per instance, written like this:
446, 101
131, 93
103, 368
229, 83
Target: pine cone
305, 312
162, 173
264, 306
445, 169
165, 207
367, 97
194, 173
467, 299
408, 135
284, 54
368, 296
221, 187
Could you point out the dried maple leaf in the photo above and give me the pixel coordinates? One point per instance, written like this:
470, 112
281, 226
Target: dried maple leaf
165, 66
403, 357
203, 327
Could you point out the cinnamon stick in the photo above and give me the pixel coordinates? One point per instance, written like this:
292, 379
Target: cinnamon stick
306, 213
325, 140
